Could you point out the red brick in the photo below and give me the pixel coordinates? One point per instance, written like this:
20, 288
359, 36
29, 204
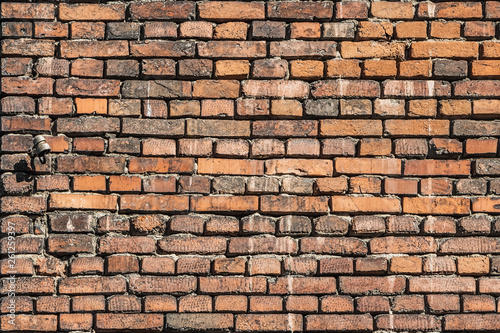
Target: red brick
345, 88
373, 304
275, 88
33, 323
160, 303
134, 244
87, 265
70, 244
472, 322
162, 284
371, 265
18, 266
404, 321
203, 245
87, 30
337, 304
266, 304
87, 303
351, 10
293, 204
368, 285
122, 264
336, 266
161, 165
333, 246
233, 284
232, 49
195, 303
270, 68
269, 322
302, 304
35, 205
92, 285
233, 303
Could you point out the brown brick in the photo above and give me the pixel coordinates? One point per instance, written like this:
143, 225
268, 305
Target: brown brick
280, 245
118, 321
162, 11
311, 11
28, 47
200, 321
350, 322
232, 49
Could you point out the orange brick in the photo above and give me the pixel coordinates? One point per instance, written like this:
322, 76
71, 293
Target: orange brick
125, 184
406, 265
306, 69
473, 265
401, 186
379, 68
365, 185
436, 205
346, 68
415, 69
417, 30
89, 145
232, 69
481, 146
445, 30
158, 147
286, 108
231, 30
455, 108
441, 49
389, 166
365, 204
422, 108
486, 68
232, 303
305, 30
392, 10
217, 108
91, 106
375, 30
436, 186
95, 183
375, 147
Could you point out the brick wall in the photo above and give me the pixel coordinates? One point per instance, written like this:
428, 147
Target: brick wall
251, 166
